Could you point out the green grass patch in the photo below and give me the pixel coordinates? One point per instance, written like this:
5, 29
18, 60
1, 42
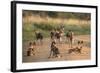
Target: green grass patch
29, 30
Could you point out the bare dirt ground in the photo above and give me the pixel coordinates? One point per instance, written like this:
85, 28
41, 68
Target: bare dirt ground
42, 51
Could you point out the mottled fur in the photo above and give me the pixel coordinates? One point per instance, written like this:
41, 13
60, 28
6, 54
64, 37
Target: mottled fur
76, 49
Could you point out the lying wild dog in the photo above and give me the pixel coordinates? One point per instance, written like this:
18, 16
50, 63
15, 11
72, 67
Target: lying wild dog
76, 49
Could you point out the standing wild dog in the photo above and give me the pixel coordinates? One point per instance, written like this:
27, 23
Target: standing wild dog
39, 37
61, 32
69, 37
52, 35
58, 35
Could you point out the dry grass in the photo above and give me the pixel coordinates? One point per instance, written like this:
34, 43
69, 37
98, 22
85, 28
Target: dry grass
48, 20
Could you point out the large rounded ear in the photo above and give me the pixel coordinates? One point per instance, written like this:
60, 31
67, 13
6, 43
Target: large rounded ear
34, 43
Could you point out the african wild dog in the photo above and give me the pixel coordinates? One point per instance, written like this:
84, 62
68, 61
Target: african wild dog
76, 49
39, 37
69, 37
